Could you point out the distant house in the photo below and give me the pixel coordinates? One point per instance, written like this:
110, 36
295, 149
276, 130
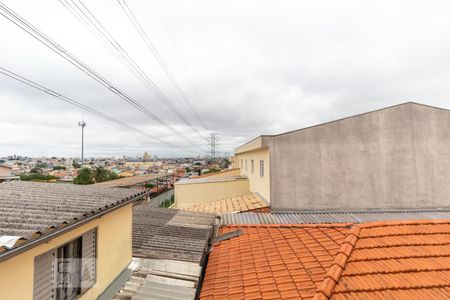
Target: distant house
126, 174
63, 241
6, 174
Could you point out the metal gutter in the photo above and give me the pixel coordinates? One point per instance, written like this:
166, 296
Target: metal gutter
359, 211
44, 238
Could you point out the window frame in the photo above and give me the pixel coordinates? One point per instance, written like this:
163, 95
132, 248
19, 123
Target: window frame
55, 264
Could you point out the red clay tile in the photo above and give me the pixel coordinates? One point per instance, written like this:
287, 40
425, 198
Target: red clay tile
378, 260
284, 261
394, 260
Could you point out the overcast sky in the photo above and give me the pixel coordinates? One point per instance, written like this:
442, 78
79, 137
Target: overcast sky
249, 68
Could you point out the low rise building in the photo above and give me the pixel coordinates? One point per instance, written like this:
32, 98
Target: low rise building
63, 241
396, 157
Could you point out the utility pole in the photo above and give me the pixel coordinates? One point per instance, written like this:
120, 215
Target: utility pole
213, 137
82, 124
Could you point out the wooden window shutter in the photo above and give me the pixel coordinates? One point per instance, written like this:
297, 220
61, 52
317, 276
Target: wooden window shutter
88, 261
45, 276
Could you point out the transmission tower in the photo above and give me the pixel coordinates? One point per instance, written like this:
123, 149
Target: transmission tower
213, 138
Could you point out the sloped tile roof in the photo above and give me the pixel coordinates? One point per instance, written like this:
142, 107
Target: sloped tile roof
235, 204
377, 260
272, 261
391, 260
171, 233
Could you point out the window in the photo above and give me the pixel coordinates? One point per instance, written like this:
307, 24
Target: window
67, 271
242, 163
252, 166
261, 168
246, 165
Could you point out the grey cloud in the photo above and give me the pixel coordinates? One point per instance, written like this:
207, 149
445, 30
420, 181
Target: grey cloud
250, 68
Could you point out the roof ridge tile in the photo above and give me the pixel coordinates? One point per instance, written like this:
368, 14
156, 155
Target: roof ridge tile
326, 288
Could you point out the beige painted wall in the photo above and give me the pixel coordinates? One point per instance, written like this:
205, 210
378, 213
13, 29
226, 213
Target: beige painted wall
257, 184
113, 255
4, 171
195, 191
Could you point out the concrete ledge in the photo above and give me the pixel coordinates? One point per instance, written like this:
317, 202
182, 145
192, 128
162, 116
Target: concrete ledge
210, 180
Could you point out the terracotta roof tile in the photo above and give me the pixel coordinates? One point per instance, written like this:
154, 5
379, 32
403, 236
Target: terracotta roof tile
272, 262
392, 260
379, 260
250, 202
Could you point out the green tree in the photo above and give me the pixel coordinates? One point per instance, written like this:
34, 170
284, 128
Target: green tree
85, 176
55, 168
101, 174
36, 177
76, 165
188, 169
41, 165
226, 162
36, 170
149, 185
212, 170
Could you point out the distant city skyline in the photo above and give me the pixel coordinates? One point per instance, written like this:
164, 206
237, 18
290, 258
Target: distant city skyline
249, 68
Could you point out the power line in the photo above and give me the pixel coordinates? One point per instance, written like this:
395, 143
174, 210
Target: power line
158, 57
81, 106
55, 47
88, 19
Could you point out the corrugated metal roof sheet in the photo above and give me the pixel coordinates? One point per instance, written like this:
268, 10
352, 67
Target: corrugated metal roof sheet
331, 217
30, 209
171, 233
166, 291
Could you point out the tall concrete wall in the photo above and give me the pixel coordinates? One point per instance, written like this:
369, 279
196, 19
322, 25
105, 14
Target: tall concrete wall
397, 157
